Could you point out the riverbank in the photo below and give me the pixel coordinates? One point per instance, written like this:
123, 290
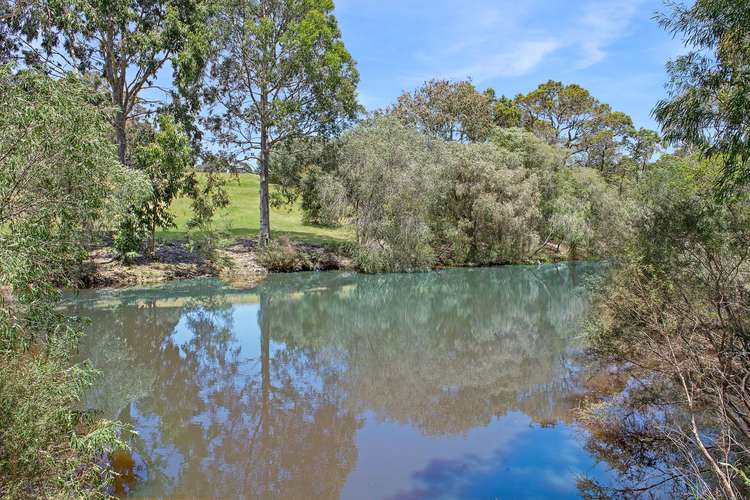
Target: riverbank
238, 263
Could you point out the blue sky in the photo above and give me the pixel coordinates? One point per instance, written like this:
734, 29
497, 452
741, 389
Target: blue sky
614, 48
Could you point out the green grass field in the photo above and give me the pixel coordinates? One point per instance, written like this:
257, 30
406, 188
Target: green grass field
241, 218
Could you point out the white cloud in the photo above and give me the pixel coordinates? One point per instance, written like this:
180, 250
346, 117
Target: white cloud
482, 41
486, 40
513, 60
602, 23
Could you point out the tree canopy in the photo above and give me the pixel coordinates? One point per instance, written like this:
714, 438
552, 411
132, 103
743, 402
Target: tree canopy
453, 111
126, 44
278, 71
709, 93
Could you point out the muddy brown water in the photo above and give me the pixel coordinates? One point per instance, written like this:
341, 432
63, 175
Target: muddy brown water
450, 384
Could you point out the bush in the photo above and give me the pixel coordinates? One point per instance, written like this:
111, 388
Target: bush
384, 184
676, 317
299, 168
280, 255
486, 211
416, 201
49, 447
129, 237
589, 215
318, 196
164, 156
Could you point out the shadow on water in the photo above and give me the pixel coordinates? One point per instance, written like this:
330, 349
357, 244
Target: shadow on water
456, 383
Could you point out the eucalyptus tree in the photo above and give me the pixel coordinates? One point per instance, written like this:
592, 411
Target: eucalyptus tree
507, 113
279, 71
642, 146
453, 111
127, 43
557, 112
568, 115
708, 105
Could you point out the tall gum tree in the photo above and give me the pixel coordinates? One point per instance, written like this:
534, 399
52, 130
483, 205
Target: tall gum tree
279, 71
568, 115
125, 42
708, 106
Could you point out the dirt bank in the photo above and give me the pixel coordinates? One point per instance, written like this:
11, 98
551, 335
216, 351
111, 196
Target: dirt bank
237, 263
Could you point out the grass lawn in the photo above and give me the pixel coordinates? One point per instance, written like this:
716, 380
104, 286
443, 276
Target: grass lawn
242, 217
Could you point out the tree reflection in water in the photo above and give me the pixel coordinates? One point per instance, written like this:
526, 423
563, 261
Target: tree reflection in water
261, 394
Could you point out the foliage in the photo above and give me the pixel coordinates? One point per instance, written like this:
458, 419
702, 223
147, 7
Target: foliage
57, 166
165, 157
280, 255
452, 111
386, 173
166, 161
42, 129
416, 200
677, 315
536, 156
708, 106
594, 135
129, 237
506, 114
642, 145
588, 215
279, 71
297, 169
486, 209
127, 43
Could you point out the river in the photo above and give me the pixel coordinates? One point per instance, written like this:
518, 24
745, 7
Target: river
459, 383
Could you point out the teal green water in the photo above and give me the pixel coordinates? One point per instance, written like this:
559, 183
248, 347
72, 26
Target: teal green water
450, 384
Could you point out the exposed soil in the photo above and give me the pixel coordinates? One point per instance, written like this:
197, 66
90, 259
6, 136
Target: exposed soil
237, 264
240, 264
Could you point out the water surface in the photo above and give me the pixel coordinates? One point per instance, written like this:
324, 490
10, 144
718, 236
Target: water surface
450, 384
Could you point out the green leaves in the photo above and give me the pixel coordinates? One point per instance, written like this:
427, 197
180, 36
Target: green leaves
709, 103
570, 116
58, 167
124, 43
453, 111
279, 72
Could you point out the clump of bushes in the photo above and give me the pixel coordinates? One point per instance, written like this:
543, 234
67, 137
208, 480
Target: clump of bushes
417, 201
280, 255
675, 316
486, 210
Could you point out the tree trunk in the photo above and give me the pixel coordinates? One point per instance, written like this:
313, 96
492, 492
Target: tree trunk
120, 120
265, 223
152, 243
265, 373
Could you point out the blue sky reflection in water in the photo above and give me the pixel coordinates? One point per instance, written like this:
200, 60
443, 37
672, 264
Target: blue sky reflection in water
451, 384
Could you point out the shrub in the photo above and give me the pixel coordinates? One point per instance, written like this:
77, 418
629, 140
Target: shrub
129, 237
385, 181
164, 156
319, 195
299, 168
487, 205
676, 317
49, 447
589, 215
280, 255
416, 201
